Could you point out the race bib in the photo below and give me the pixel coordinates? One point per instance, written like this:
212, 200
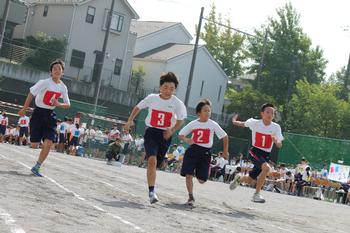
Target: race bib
201, 136
263, 140
160, 119
23, 122
3, 122
50, 96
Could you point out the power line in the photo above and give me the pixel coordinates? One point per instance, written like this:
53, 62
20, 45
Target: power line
235, 29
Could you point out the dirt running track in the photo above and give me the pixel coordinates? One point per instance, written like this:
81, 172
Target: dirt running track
85, 195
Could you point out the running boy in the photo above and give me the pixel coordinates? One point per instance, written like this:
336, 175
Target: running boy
198, 155
264, 134
43, 121
166, 114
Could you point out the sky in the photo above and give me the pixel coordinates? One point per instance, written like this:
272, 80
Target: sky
326, 22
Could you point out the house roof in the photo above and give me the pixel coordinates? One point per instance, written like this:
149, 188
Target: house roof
80, 2
144, 28
172, 50
166, 52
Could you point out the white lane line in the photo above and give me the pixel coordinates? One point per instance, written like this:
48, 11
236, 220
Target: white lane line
82, 199
10, 221
166, 193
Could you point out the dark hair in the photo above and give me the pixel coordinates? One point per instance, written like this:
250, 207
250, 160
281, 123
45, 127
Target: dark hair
169, 77
288, 173
201, 104
57, 61
282, 165
267, 105
77, 125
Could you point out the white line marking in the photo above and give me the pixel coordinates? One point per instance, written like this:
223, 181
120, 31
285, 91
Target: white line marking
14, 228
82, 199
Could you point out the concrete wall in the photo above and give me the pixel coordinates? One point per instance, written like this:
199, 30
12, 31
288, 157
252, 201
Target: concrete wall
26, 74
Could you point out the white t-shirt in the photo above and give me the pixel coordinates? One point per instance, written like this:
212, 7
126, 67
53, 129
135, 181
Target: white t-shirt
23, 121
222, 162
14, 132
261, 133
203, 132
4, 120
62, 127
75, 132
126, 137
139, 143
46, 90
162, 114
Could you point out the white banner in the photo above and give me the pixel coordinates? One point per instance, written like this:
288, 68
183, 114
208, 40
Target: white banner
338, 172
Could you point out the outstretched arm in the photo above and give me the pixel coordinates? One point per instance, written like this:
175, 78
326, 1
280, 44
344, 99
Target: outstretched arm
225, 151
237, 123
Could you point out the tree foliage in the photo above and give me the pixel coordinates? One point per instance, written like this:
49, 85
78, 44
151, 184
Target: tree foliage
45, 49
289, 56
316, 110
225, 45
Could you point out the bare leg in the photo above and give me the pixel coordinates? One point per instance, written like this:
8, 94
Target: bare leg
189, 184
151, 170
265, 168
45, 151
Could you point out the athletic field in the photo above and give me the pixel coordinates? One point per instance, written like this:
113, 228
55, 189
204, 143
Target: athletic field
85, 195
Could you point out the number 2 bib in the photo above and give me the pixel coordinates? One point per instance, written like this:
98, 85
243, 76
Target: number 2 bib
201, 136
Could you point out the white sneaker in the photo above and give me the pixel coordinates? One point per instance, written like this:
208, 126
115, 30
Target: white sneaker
258, 198
236, 182
153, 198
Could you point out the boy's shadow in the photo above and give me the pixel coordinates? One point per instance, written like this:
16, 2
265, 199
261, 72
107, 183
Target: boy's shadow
15, 173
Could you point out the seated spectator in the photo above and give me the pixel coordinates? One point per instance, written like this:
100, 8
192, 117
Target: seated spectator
324, 172
113, 151
218, 169
289, 180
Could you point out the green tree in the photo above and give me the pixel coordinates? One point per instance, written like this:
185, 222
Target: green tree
289, 56
44, 50
225, 45
316, 110
137, 81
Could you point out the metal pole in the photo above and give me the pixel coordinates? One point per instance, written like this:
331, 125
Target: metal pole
194, 58
4, 20
100, 62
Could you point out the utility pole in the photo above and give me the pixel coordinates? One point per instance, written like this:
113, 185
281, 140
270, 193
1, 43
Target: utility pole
194, 58
101, 60
347, 79
4, 20
258, 76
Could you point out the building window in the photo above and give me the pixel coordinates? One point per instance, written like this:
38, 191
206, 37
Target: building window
117, 22
219, 93
201, 92
77, 59
90, 14
118, 66
46, 10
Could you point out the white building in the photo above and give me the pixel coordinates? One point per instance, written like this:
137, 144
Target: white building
83, 23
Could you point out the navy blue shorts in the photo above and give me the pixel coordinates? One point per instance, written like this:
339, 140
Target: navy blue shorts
196, 162
155, 144
2, 129
62, 138
43, 125
74, 141
23, 131
258, 157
